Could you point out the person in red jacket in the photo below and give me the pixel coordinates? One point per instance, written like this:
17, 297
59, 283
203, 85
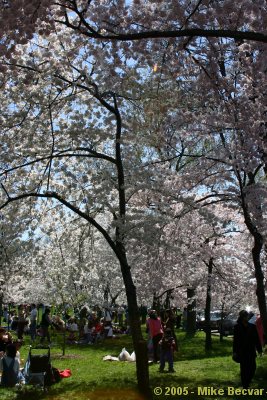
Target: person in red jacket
155, 331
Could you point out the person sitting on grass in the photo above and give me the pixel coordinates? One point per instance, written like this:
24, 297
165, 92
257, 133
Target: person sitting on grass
9, 365
167, 347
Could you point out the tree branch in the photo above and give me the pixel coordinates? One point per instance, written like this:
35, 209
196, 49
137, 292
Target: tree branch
155, 34
54, 195
93, 154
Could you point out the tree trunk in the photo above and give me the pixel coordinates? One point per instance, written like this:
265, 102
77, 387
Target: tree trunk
191, 312
256, 256
208, 341
140, 345
256, 253
221, 322
1, 308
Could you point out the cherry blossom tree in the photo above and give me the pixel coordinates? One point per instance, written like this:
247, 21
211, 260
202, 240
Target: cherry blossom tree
71, 74
74, 262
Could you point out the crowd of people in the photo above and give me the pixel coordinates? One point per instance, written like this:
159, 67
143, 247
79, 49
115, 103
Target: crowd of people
87, 326
82, 326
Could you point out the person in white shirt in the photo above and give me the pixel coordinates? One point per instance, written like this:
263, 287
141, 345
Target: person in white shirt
33, 321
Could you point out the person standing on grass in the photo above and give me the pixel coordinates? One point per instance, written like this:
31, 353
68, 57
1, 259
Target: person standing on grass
154, 328
246, 342
107, 315
170, 320
45, 323
21, 321
33, 321
120, 312
167, 346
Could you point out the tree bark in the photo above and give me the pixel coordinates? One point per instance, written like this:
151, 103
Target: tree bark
208, 340
140, 345
1, 308
191, 311
256, 253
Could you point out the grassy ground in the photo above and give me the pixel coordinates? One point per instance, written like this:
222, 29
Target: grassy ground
94, 379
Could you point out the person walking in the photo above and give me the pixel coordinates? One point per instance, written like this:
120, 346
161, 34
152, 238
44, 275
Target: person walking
246, 342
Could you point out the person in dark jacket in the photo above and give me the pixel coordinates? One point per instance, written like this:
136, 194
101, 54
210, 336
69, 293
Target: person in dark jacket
246, 342
167, 347
45, 323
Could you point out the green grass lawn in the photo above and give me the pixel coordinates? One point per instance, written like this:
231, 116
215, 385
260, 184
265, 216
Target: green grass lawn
94, 379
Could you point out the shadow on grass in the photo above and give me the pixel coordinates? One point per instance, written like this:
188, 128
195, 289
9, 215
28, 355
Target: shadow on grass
205, 387
126, 390
193, 347
84, 391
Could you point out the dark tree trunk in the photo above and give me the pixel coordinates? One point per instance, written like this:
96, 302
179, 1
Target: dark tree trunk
1, 308
256, 254
191, 311
156, 303
140, 345
208, 341
221, 322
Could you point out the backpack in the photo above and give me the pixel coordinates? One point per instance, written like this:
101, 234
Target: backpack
9, 376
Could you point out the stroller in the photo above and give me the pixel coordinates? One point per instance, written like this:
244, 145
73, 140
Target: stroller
38, 369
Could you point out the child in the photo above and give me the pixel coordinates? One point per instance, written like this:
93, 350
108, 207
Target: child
167, 347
